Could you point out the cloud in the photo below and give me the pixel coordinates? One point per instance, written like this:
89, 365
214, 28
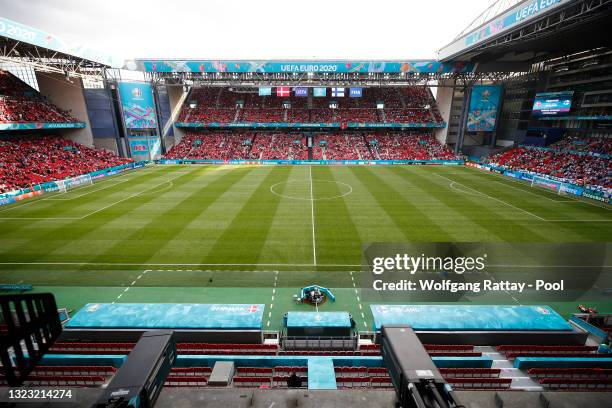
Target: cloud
381, 29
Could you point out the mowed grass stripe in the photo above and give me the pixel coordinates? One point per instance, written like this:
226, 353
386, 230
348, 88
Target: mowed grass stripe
415, 224
333, 223
289, 239
478, 209
521, 202
72, 208
143, 243
372, 226
457, 225
534, 205
574, 207
199, 236
244, 238
40, 248
31, 233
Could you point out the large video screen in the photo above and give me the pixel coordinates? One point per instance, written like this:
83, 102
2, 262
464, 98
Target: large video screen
552, 103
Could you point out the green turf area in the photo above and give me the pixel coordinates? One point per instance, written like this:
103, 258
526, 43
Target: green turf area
256, 234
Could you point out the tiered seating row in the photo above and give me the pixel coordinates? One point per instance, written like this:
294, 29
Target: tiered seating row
53, 380
470, 372
573, 373
514, 351
480, 383
568, 384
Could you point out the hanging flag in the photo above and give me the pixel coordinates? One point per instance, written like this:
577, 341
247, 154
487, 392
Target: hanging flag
338, 92
265, 91
356, 92
282, 91
320, 92
300, 91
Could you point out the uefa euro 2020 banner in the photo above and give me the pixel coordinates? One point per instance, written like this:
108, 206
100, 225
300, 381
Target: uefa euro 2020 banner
138, 105
484, 107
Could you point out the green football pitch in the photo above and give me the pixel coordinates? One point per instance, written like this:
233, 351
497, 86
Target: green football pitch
256, 234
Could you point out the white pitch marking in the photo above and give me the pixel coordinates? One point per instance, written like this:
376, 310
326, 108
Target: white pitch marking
132, 196
88, 192
314, 243
168, 264
492, 198
570, 198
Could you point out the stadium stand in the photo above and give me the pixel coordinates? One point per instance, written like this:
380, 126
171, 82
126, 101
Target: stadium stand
20, 103
326, 146
581, 169
33, 160
224, 105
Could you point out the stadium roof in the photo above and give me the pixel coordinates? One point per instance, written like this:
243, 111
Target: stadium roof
25, 44
532, 30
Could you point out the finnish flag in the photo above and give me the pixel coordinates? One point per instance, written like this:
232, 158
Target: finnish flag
338, 92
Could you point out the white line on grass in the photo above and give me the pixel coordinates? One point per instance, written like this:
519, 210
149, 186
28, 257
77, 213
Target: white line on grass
314, 243
50, 198
532, 193
543, 190
86, 215
132, 284
492, 198
132, 196
87, 192
272, 298
174, 264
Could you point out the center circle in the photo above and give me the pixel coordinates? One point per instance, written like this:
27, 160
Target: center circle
314, 189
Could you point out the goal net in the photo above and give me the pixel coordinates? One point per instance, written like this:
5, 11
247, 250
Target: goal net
66, 184
546, 183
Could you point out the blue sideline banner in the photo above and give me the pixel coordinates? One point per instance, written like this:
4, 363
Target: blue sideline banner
311, 162
50, 187
41, 125
548, 183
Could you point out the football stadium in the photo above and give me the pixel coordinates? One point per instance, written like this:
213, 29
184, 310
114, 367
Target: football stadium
314, 232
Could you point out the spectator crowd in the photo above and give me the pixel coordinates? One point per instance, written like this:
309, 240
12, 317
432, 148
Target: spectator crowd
225, 105
565, 161
33, 160
325, 146
21, 104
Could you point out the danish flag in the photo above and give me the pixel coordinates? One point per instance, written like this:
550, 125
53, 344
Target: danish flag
252, 308
282, 91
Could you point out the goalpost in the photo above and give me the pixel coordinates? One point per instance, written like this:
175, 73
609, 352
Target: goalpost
66, 184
